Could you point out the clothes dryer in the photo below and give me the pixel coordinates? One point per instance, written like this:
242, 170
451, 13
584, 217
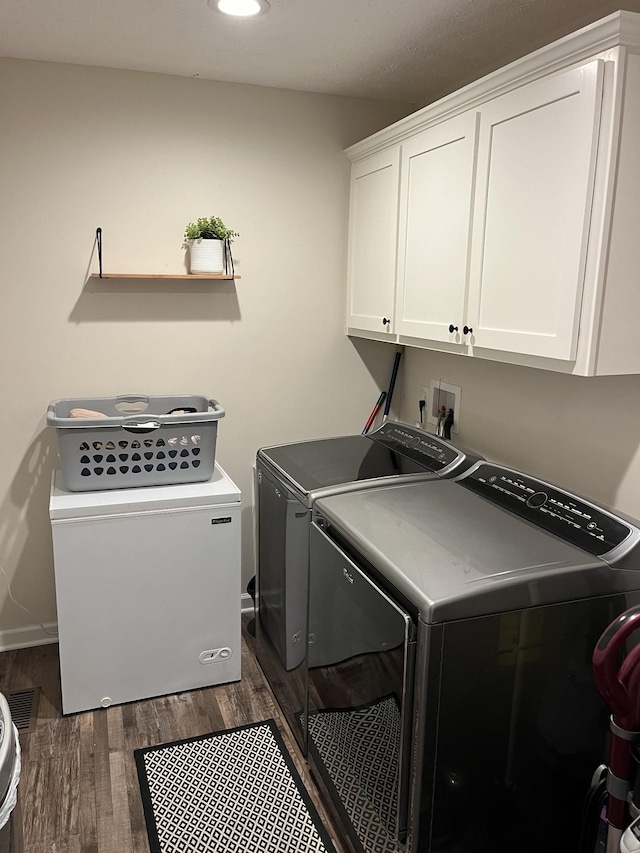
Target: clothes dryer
454, 706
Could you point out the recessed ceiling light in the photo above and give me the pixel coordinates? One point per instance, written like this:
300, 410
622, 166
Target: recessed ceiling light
240, 8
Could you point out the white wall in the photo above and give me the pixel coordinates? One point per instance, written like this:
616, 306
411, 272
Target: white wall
141, 155
582, 433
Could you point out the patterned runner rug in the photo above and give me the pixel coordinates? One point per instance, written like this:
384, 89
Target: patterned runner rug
234, 791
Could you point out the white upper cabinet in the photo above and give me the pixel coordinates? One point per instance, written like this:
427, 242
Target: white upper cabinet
535, 178
436, 195
501, 222
373, 225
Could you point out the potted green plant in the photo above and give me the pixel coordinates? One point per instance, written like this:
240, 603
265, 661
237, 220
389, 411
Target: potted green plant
209, 243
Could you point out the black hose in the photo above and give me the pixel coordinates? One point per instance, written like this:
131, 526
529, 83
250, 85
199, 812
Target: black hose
394, 374
591, 822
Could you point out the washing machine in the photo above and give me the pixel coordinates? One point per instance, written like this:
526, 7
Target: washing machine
453, 707
10, 834
290, 478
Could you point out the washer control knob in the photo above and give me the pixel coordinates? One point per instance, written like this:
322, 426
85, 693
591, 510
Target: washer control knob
537, 500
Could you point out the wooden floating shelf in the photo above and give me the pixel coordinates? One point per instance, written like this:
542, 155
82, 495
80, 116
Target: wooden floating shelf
212, 277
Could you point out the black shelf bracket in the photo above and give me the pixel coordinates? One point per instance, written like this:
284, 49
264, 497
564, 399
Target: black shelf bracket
99, 242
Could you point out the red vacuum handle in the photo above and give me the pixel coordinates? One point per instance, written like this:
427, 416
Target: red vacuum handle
612, 683
620, 688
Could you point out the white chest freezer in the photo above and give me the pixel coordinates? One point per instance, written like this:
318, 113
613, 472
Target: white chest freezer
148, 589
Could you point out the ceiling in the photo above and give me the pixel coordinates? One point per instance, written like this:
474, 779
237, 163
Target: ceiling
400, 50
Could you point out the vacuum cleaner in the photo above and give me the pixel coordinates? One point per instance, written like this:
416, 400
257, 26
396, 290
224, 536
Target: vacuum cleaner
617, 678
630, 841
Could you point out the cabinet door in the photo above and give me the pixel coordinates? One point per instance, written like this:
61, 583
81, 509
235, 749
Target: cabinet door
373, 232
536, 161
436, 193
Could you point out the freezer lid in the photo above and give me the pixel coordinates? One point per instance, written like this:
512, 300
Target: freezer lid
219, 490
454, 554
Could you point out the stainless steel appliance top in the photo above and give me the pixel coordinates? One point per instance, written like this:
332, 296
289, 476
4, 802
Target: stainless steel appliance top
328, 465
491, 541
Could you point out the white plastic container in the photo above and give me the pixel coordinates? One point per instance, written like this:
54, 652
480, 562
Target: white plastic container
206, 256
9, 774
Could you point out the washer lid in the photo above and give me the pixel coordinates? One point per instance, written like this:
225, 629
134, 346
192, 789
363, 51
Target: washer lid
455, 554
393, 450
220, 489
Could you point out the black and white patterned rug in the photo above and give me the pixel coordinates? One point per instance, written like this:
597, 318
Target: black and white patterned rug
359, 749
234, 791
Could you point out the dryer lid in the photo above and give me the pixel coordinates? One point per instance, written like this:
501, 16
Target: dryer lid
455, 554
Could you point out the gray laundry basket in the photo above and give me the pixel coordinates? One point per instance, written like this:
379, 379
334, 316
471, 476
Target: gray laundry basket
140, 441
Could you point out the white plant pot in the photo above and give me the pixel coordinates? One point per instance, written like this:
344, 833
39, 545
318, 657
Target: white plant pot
205, 256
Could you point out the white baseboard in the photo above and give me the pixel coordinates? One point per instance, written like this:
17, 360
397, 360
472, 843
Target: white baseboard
246, 603
32, 635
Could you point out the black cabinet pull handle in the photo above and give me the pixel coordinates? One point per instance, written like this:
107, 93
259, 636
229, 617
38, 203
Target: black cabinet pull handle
385, 322
467, 330
452, 328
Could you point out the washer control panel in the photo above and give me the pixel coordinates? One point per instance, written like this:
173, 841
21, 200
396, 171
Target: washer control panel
427, 450
589, 527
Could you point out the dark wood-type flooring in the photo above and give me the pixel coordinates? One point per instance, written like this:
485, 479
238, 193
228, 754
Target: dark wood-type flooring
78, 789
